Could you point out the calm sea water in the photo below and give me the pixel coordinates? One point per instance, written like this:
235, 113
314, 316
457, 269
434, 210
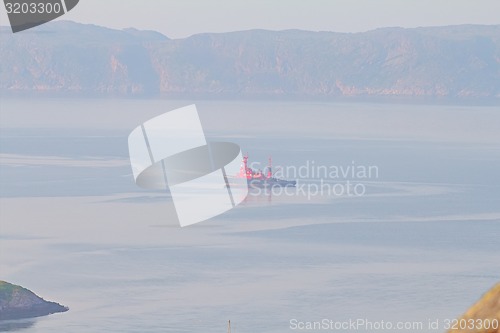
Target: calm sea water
421, 243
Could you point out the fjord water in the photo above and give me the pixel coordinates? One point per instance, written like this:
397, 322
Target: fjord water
421, 244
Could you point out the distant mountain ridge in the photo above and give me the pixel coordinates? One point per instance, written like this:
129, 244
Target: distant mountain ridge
455, 62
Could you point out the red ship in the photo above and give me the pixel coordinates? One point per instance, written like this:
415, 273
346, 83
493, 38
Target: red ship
257, 178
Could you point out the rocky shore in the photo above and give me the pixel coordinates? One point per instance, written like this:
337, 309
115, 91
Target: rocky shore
17, 302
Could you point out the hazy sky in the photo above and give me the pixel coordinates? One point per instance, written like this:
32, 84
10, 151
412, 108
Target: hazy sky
182, 18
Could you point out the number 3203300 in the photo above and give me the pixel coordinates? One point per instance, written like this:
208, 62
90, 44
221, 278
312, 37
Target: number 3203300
471, 324
33, 8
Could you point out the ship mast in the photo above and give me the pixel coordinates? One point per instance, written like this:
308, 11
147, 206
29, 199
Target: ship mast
244, 168
229, 326
270, 168
245, 161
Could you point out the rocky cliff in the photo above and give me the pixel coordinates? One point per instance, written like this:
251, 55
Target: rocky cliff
17, 302
484, 316
457, 62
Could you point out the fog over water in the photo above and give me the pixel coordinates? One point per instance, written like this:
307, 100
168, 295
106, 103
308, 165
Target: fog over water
420, 244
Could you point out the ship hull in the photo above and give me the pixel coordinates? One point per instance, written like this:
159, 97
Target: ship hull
273, 182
